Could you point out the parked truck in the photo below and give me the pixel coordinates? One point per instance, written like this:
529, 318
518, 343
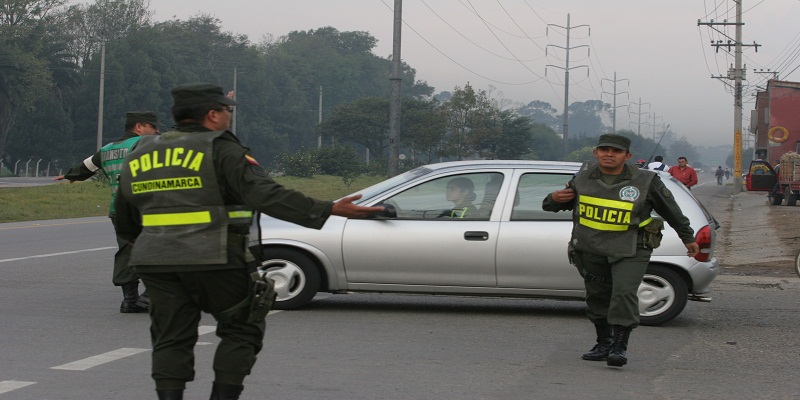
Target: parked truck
776, 168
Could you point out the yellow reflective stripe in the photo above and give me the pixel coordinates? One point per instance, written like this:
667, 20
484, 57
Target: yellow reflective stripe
240, 214
597, 201
188, 218
458, 213
645, 222
600, 226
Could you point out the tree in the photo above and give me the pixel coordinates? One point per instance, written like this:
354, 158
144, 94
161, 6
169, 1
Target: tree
470, 120
587, 118
91, 25
682, 148
364, 121
541, 112
29, 50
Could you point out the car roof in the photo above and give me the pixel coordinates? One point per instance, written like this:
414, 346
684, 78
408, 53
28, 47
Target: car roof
555, 165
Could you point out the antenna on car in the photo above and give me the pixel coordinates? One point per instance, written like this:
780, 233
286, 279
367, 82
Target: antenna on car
657, 144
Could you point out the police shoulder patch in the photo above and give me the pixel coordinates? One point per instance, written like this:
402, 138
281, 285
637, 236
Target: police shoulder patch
251, 160
665, 192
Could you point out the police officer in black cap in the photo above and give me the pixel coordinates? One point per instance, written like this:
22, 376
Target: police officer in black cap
188, 197
109, 160
613, 237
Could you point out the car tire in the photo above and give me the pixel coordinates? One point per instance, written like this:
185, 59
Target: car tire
297, 277
776, 199
797, 263
662, 295
791, 199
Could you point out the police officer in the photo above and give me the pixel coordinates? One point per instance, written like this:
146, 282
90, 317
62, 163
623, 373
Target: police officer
109, 159
188, 196
613, 237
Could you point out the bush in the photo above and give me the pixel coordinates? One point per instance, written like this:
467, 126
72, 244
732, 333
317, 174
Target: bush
302, 164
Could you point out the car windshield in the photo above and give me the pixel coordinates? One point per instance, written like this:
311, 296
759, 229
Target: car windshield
380, 187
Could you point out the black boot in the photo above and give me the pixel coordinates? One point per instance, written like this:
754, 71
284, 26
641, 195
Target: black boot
616, 356
176, 394
144, 300
130, 295
600, 351
225, 391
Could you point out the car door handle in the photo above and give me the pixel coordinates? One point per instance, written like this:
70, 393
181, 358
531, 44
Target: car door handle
476, 235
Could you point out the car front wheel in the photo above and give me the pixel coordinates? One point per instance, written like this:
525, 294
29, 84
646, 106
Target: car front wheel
296, 276
662, 295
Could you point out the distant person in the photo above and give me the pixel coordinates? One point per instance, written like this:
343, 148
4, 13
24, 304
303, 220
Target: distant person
719, 174
684, 173
727, 173
109, 160
461, 191
658, 164
641, 163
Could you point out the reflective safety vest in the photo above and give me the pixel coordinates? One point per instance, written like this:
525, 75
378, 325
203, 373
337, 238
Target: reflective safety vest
112, 156
172, 181
607, 218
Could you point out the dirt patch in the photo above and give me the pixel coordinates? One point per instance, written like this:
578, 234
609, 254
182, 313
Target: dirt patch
755, 238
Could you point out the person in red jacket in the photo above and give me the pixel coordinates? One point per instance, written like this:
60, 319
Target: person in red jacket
684, 173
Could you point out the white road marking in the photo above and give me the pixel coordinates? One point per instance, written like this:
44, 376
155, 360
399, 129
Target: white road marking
203, 329
56, 254
7, 386
86, 363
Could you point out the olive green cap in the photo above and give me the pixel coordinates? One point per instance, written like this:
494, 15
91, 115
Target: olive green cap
196, 93
614, 140
141, 116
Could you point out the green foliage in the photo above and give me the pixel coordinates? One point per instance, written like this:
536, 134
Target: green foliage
339, 160
302, 164
91, 199
582, 155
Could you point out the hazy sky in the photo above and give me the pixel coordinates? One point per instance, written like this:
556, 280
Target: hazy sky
656, 48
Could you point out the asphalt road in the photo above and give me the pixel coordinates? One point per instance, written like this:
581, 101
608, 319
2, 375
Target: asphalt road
62, 337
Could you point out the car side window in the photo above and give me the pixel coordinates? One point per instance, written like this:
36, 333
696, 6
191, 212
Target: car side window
454, 197
531, 191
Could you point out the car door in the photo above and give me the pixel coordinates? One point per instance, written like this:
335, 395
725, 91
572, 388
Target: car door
532, 243
430, 242
760, 176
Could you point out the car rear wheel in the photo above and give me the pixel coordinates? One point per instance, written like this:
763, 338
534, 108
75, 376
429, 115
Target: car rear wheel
662, 295
791, 198
296, 277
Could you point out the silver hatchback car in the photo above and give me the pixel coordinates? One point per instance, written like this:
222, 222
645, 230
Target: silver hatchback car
473, 228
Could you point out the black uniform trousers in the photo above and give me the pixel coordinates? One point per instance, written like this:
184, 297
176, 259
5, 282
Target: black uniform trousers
123, 273
176, 302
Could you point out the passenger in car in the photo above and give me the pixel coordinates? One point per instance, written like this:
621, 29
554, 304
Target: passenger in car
613, 237
461, 191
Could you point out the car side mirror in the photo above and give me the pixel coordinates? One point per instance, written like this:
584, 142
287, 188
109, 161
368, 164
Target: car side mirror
389, 212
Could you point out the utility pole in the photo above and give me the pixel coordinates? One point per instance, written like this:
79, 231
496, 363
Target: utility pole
639, 115
233, 117
566, 68
614, 94
737, 74
319, 123
655, 135
394, 99
102, 96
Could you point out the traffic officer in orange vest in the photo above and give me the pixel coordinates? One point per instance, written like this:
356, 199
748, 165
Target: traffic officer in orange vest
188, 197
613, 237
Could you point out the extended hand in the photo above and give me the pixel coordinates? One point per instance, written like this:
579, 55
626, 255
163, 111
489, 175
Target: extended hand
346, 208
563, 196
692, 249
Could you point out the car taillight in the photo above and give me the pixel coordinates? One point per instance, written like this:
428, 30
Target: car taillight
703, 239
